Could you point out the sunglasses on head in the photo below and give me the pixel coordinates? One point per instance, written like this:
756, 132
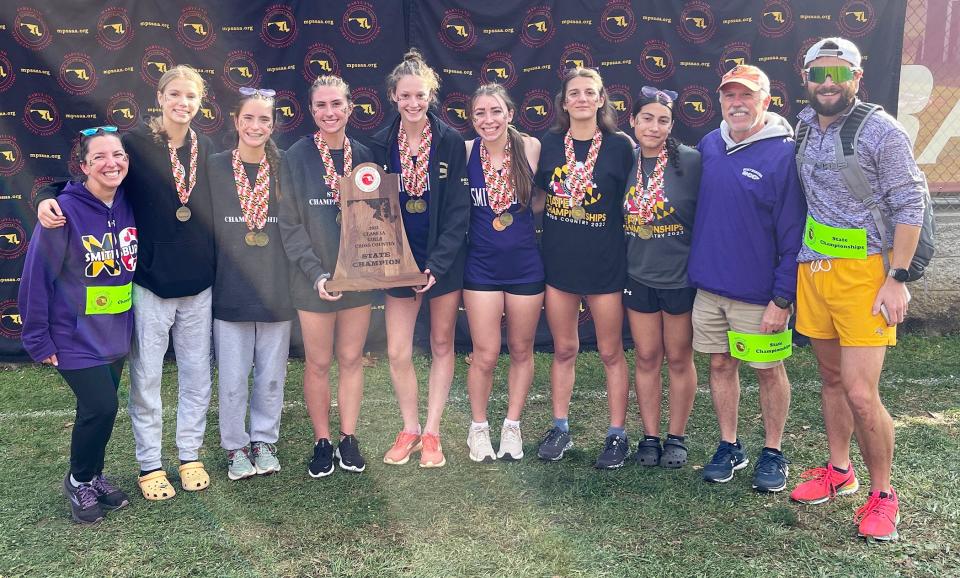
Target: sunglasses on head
94, 130
838, 74
260, 92
665, 97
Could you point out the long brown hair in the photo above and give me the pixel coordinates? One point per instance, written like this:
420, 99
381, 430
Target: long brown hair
606, 117
180, 71
270, 148
520, 174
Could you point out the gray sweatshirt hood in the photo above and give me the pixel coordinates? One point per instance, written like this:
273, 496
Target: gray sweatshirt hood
775, 126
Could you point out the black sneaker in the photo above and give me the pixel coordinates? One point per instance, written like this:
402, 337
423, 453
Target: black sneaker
771, 471
348, 452
84, 506
727, 459
322, 463
614, 453
109, 496
555, 443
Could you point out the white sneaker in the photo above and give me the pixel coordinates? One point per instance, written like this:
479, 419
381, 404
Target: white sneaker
478, 440
511, 444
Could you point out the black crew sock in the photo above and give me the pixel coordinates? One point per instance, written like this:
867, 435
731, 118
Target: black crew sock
680, 439
773, 450
652, 438
840, 470
145, 472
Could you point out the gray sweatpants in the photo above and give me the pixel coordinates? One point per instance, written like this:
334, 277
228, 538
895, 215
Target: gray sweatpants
190, 318
240, 346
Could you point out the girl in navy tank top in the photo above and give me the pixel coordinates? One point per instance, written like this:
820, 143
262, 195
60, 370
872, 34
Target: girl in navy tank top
503, 271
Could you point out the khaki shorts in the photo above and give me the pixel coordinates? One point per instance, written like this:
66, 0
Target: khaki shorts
835, 301
714, 315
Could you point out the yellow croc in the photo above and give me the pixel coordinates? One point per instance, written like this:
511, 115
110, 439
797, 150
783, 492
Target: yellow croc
155, 486
193, 477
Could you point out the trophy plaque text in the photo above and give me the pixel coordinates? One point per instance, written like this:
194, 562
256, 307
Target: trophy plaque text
373, 245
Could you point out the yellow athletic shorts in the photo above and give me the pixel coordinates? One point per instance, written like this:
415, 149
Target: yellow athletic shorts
835, 299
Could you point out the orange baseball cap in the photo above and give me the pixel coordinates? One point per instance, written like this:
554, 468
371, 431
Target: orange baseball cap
747, 75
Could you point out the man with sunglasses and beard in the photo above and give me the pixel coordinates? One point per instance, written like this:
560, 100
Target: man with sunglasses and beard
849, 303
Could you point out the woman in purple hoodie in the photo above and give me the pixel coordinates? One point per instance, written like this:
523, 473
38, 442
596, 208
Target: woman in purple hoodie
75, 305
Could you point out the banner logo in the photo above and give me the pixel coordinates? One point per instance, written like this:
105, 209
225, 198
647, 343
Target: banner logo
77, 75
38, 183
128, 248
41, 115
30, 29
288, 115
574, 55
240, 69
694, 106
622, 102
13, 239
123, 111
776, 18
368, 110
804, 47
457, 31
209, 118
536, 111
656, 61
537, 27
7, 75
617, 22
498, 67
278, 29
454, 111
10, 322
779, 98
697, 24
114, 30
734, 54
857, 18
359, 24
319, 60
11, 158
194, 28
155, 62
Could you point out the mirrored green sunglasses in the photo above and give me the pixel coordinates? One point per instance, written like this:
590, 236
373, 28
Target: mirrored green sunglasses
837, 74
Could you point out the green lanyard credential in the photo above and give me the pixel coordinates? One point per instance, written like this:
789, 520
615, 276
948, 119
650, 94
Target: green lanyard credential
761, 347
834, 241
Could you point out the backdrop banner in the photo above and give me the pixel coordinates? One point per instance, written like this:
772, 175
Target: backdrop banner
68, 65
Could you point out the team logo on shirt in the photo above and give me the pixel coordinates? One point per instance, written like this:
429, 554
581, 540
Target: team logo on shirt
101, 256
857, 18
114, 30
128, 248
753, 174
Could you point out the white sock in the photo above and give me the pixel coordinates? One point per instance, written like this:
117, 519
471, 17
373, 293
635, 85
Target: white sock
479, 425
511, 423
75, 483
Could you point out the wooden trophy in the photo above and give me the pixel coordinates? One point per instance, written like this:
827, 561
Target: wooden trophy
373, 244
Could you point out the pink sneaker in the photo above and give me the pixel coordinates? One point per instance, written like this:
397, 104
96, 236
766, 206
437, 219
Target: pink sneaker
879, 517
822, 484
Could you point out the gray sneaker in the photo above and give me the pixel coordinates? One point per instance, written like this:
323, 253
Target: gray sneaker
555, 443
238, 464
265, 458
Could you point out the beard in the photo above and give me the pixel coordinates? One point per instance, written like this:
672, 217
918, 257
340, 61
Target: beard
847, 96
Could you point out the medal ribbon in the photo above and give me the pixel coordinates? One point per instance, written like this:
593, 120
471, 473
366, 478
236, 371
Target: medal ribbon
581, 176
331, 178
253, 200
500, 192
641, 199
415, 178
183, 188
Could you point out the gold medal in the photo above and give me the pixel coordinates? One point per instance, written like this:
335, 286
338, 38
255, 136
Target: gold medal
183, 214
506, 219
262, 239
339, 218
498, 224
578, 212
645, 231
250, 239
421, 206
412, 206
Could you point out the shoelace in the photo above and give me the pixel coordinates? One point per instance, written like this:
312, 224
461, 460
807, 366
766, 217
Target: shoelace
87, 496
822, 475
483, 435
724, 454
102, 486
264, 448
553, 436
771, 460
820, 265
511, 434
612, 442
875, 505
430, 443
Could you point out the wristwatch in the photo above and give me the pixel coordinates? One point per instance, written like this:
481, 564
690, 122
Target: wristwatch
900, 275
782, 302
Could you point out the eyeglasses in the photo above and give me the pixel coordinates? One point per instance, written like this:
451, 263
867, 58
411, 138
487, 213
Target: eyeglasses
665, 97
838, 74
260, 92
94, 130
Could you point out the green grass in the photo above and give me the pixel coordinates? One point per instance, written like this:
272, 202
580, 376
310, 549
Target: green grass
518, 519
